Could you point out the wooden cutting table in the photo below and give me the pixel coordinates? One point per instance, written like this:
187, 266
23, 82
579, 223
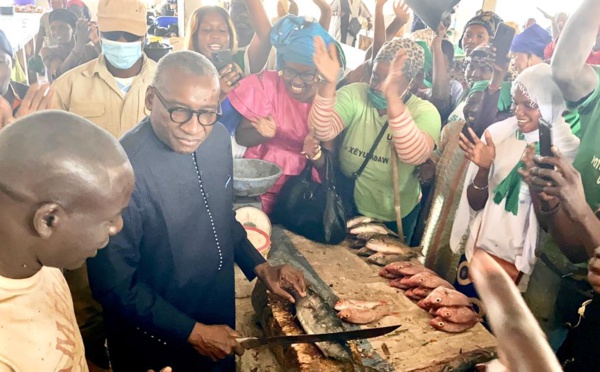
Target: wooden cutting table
415, 347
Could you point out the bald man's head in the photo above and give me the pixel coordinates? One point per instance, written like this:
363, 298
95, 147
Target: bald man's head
64, 182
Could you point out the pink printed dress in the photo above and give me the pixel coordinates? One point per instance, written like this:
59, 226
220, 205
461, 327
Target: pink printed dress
263, 95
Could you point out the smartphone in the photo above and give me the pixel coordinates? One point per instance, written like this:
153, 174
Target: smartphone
502, 42
221, 58
545, 130
466, 133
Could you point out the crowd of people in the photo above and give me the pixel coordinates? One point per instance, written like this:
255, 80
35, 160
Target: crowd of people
119, 237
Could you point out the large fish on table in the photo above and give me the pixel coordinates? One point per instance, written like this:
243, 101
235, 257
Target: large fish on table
391, 245
377, 228
317, 316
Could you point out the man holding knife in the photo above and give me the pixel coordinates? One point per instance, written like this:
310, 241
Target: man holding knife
166, 282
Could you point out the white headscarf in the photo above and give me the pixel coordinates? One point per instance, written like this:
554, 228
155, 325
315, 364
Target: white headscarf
537, 84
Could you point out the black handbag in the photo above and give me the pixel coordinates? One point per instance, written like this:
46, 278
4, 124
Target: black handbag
354, 27
311, 209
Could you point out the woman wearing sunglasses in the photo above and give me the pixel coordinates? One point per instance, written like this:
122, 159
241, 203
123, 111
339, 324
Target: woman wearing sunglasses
274, 105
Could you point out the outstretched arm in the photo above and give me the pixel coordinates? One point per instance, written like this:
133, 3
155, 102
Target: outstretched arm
575, 78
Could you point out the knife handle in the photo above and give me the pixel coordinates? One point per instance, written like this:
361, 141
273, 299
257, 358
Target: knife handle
249, 342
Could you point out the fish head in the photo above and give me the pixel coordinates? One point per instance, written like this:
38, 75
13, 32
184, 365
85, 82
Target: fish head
440, 324
437, 300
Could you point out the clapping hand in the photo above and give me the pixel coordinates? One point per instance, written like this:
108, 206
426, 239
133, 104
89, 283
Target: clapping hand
481, 154
266, 127
327, 61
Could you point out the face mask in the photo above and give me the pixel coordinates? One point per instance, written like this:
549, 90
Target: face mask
377, 99
121, 55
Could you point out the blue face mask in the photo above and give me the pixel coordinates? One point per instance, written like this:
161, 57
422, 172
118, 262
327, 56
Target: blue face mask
121, 55
377, 99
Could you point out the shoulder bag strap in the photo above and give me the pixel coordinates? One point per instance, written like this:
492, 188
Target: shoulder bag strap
362, 167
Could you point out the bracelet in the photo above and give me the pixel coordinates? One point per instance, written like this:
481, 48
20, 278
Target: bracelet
317, 156
494, 88
479, 188
550, 211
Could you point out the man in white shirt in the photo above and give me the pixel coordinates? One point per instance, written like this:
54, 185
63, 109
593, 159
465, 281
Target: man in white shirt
62, 192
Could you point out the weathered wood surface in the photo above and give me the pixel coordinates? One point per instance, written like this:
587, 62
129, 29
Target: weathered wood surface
416, 347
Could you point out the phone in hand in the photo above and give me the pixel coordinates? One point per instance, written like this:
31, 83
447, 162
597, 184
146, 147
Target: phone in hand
545, 130
502, 41
222, 58
466, 133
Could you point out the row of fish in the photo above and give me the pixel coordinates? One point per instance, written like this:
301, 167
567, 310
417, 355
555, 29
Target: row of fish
363, 312
452, 310
379, 244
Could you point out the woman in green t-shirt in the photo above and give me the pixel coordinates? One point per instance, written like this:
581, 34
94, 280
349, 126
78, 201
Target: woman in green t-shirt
408, 127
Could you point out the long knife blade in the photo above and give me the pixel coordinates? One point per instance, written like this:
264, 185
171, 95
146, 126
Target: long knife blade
254, 342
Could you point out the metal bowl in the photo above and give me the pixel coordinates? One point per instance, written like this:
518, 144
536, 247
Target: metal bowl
253, 177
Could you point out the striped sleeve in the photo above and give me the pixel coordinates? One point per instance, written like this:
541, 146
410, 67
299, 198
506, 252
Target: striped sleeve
326, 123
413, 145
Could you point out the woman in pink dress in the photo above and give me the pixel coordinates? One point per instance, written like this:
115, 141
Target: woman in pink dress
275, 104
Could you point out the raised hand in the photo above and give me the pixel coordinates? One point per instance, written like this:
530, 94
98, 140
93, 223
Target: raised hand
394, 79
38, 98
327, 61
266, 127
401, 10
481, 154
229, 76
82, 32
546, 15
94, 34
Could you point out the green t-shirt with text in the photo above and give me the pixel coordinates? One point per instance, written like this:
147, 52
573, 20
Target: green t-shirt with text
374, 191
587, 161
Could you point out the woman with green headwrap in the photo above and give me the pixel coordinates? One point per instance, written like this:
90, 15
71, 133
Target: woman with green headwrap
408, 128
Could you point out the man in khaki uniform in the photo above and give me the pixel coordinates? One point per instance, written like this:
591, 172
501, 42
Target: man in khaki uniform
109, 91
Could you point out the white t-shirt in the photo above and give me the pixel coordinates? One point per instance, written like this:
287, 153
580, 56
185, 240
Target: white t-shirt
38, 330
124, 84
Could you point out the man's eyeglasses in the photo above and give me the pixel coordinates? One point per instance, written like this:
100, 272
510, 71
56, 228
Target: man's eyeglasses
307, 77
181, 115
116, 36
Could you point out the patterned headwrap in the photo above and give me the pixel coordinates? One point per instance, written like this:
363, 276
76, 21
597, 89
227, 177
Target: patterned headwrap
428, 65
292, 36
533, 41
479, 56
416, 55
487, 19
